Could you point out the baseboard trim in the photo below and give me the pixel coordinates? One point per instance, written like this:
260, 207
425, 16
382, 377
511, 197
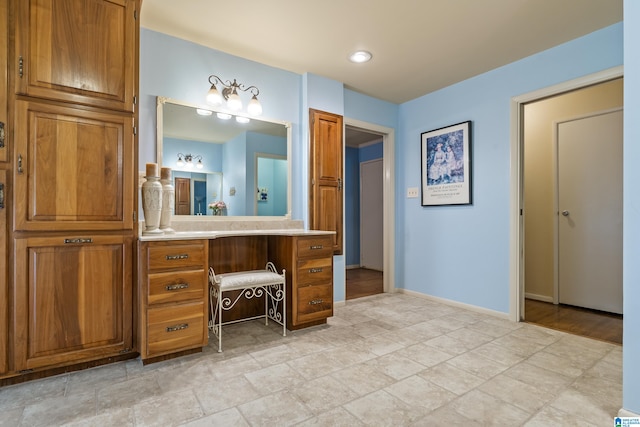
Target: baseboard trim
457, 304
351, 267
624, 413
537, 297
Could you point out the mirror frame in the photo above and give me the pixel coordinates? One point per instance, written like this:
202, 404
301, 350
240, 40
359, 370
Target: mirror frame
161, 100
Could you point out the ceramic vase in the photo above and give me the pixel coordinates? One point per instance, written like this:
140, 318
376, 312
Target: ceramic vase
152, 201
168, 200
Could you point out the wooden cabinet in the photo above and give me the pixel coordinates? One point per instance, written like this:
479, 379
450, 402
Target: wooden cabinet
72, 299
172, 297
4, 277
326, 197
77, 51
308, 261
74, 168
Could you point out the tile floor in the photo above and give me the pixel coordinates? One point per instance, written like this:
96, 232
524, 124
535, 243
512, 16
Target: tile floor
386, 360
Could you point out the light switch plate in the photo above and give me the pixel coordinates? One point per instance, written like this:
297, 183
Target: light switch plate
412, 192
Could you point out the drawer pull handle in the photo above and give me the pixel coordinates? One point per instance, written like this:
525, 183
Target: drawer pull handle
88, 240
174, 257
314, 247
177, 327
315, 270
316, 301
177, 286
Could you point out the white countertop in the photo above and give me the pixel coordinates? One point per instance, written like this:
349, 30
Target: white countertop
194, 235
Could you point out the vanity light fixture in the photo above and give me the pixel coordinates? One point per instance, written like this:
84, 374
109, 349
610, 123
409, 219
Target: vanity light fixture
360, 56
187, 160
230, 95
223, 116
242, 119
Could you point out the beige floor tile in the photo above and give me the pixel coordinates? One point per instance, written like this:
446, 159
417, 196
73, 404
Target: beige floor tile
274, 378
525, 396
445, 416
559, 364
424, 355
363, 378
420, 393
477, 365
96, 378
216, 396
11, 417
117, 418
489, 410
382, 409
59, 410
447, 344
229, 418
451, 378
396, 366
378, 345
168, 410
19, 395
338, 417
314, 365
126, 394
551, 416
278, 409
519, 345
504, 356
577, 405
323, 394
470, 338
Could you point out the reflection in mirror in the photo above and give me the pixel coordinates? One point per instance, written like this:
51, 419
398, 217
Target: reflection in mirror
215, 160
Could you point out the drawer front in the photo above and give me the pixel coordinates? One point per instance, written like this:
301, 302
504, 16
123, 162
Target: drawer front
176, 328
315, 303
317, 247
176, 286
314, 270
162, 257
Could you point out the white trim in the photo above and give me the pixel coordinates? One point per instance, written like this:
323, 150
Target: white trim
536, 297
624, 413
456, 304
339, 303
516, 247
353, 266
389, 196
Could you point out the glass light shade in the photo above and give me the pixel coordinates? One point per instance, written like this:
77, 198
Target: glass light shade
254, 108
213, 96
190, 164
223, 116
241, 119
199, 165
203, 112
234, 102
180, 162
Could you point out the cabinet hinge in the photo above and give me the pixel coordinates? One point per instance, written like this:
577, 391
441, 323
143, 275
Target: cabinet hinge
1, 195
134, 216
135, 14
20, 66
2, 135
135, 130
135, 100
25, 371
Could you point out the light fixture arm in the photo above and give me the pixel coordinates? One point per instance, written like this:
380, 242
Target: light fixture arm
229, 87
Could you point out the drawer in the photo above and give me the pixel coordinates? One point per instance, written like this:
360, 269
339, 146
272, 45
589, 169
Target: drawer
314, 270
177, 286
317, 247
164, 257
315, 303
176, 328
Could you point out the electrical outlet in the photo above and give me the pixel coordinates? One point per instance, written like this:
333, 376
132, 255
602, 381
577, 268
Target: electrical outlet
412, 193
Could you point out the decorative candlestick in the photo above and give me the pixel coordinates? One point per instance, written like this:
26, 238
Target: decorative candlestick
168, 200
152, 200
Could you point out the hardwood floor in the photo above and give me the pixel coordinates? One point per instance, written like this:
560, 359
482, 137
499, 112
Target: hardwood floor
362, 282
575, 320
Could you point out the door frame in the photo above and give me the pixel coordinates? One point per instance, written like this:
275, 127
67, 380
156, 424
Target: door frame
388, 195
516, 223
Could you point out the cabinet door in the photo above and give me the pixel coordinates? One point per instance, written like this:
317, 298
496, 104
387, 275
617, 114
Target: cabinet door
79, 51
73, 299
73, 169
4, 295
326, 197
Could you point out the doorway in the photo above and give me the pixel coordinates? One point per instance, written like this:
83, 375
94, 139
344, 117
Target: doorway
537, 226
368, 183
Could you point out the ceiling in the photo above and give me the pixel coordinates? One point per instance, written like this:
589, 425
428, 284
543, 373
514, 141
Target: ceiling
418, 46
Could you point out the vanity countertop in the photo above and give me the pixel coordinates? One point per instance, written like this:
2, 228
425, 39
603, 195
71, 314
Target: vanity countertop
198, 228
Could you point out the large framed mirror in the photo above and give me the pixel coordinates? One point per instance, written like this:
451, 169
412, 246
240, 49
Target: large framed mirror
216, 160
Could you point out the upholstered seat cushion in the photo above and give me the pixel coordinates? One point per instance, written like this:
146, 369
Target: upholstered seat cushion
247, 279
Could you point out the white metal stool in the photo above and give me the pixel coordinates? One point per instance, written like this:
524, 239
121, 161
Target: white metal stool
252, 283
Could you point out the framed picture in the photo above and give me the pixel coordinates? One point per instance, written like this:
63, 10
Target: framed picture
446, 165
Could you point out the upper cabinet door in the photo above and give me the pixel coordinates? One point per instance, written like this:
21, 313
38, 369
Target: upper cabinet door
79, 51
73, 169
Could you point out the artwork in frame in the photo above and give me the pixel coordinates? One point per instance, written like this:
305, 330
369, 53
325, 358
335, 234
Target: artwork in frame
446, 165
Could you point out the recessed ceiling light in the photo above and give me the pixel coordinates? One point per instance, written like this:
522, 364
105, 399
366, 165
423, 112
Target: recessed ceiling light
360, 56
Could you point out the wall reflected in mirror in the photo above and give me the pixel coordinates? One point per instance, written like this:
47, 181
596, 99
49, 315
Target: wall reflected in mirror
237, 160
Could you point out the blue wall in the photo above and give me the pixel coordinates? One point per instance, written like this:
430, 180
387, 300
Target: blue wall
461, 253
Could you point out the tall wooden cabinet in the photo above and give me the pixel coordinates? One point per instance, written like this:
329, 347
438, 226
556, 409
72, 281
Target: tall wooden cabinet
71, 118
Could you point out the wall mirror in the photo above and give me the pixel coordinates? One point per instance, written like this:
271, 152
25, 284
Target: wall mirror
216, 158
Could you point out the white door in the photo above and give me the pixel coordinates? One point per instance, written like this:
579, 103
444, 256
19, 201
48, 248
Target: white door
590, 212
371, 208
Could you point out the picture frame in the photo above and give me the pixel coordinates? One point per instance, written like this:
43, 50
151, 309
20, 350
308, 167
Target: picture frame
446, 165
